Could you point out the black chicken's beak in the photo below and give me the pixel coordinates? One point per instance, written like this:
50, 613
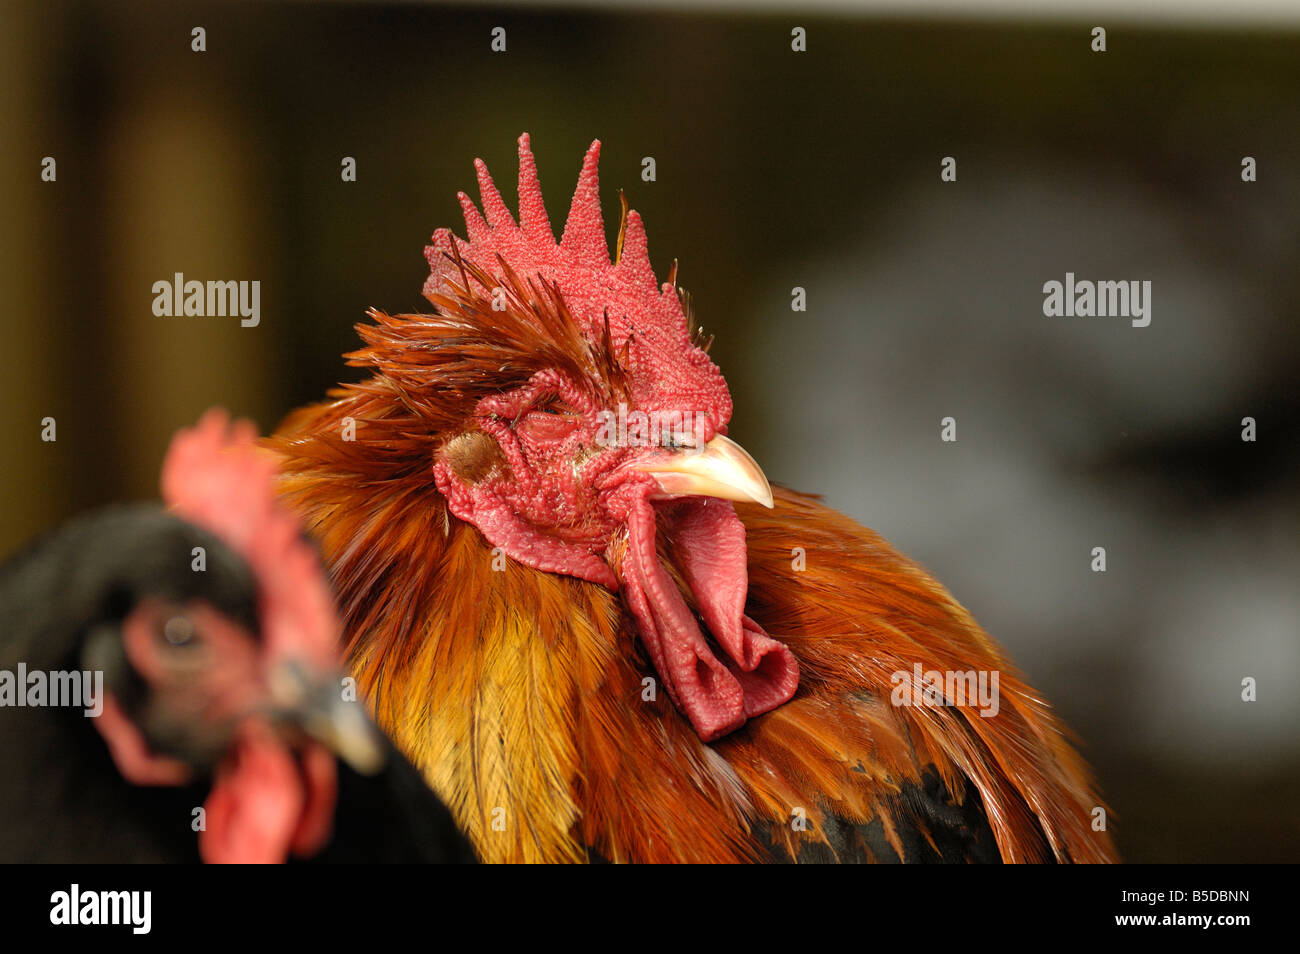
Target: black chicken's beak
318, 708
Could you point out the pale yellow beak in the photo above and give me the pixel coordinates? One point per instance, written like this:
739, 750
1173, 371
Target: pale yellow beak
721, 469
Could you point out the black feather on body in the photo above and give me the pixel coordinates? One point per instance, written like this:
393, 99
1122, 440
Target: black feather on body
932, 826
365, 828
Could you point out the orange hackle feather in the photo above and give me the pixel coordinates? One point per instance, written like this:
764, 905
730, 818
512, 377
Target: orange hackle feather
522, 695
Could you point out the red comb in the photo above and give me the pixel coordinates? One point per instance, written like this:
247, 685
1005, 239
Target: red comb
648, 314
579, 263
215, 476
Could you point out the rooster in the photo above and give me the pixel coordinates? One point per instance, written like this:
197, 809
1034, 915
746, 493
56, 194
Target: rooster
582, 611
201, 644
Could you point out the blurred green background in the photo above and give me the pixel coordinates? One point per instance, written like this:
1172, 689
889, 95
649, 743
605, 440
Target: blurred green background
774, 169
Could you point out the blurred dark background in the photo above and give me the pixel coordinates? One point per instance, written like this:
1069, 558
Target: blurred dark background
774, 169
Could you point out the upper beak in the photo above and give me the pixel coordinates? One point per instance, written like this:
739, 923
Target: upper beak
721, 469
318, 708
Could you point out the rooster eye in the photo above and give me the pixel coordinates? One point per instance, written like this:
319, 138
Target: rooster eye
548, 420
551, 405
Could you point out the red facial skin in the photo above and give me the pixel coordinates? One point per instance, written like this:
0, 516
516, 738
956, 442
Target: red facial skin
561, 498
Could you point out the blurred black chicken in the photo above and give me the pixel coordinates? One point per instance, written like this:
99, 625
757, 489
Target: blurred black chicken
193, 657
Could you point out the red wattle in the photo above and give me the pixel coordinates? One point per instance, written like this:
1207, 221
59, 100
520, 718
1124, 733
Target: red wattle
758, 673
262, 804
710, 544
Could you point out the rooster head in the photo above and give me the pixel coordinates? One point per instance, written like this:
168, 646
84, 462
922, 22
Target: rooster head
582, 429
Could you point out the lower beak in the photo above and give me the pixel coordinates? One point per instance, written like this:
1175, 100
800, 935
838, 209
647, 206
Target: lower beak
722, 468
317, 707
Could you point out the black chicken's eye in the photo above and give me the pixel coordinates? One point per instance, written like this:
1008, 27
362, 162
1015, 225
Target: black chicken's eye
179, 632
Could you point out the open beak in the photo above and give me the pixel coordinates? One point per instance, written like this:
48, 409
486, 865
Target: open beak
318, 708
721, 469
